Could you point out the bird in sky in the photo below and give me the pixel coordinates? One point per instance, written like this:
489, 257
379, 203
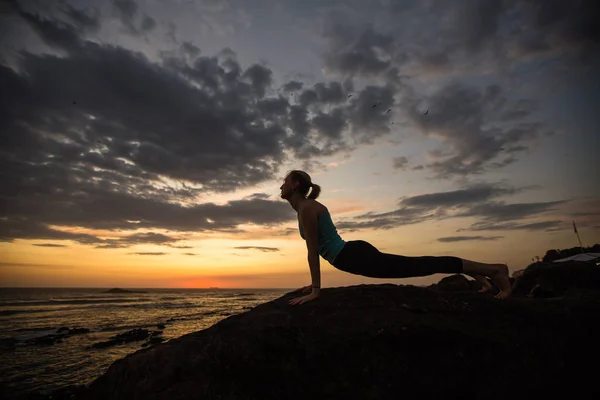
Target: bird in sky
349, 95
389, 109
426, 112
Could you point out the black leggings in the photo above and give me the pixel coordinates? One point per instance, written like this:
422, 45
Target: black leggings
362, 258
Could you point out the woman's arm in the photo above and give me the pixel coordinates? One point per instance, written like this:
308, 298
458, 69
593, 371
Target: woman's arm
309, 221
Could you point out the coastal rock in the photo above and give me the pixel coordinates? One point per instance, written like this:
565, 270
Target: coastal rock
368, 342
133, 335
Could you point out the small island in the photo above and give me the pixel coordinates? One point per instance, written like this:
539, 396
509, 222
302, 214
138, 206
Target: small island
119, 290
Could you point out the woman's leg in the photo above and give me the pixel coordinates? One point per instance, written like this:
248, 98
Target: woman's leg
362, 258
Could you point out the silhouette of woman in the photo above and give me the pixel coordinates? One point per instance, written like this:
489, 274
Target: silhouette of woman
362, 258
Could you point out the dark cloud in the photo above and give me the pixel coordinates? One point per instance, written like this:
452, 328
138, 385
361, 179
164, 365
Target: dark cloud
182, 247
136, 239
479, 201
260, 78
400, 162
148, 23
533, 226
451, 239
364, 54
49, 245
292, 86
189, 254
467, 121
263, 249
499, 212
87, 20
190, 50
473, 194
126, 10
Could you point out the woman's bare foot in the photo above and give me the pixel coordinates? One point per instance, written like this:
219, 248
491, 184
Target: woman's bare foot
500, 279
482, 280
486, 285
498, 273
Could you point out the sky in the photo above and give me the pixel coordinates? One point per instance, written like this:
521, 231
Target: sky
143, 143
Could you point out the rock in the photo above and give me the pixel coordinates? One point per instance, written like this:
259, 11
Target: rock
362, 342
78, 331
545, 280
47, 340
454, 283
8, 344
129, 336
160, 326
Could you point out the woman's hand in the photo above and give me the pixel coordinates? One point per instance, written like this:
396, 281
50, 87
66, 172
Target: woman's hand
304, 299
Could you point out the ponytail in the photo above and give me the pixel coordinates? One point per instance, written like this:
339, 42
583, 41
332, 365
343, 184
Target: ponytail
315, 192
305, 184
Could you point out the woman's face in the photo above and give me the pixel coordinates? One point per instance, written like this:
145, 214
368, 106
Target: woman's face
287, 188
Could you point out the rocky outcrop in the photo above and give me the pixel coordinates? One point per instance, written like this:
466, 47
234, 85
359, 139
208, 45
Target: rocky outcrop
373, 342
456, 283
550, 280
133, 335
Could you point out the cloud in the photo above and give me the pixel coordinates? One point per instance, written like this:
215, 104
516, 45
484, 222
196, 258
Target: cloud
149, 254
478, 200
292, 86
475, 126
263, 249
475, 193
481, 128
400, 162
500, 226
99, 152
126, 11
352, 54
498, 211
34, 265
451, 239
49, 245
148, 23
189, 254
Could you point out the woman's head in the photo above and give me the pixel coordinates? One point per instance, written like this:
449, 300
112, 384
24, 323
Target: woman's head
300, 182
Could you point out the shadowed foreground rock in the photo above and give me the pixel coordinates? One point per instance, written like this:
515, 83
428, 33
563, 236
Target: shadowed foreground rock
374, 342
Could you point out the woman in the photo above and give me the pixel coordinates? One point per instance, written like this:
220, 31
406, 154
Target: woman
361, 258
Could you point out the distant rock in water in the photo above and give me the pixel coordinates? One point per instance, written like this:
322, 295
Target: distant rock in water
374, 342
118, 290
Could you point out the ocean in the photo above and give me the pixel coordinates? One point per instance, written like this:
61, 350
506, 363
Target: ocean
41, 348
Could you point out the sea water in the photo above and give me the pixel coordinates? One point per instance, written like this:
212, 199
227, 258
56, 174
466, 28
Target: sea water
27, 314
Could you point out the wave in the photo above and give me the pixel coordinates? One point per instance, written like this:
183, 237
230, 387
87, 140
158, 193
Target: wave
6, 313
71, 302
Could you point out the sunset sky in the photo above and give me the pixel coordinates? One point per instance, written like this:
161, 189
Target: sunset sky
143, 143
